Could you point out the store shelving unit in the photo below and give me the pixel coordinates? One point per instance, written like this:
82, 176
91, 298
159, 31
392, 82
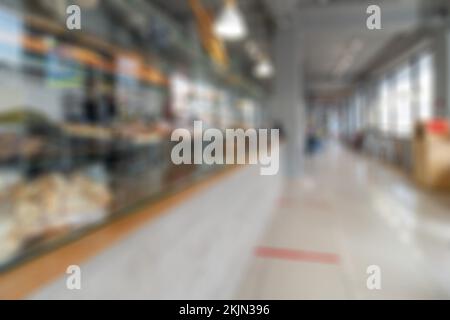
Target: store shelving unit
132, 172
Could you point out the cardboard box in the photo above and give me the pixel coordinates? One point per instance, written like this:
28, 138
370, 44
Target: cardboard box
431, 154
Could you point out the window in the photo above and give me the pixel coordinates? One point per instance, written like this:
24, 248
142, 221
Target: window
426, 80
384, 106
400, 99
403, 95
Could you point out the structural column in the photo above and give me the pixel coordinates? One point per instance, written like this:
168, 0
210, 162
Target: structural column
288, 106
441, 107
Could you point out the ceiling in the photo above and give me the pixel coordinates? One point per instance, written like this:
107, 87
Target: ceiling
258, 17
337, 47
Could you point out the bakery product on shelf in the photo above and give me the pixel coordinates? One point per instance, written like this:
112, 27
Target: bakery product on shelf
10, 241
136, 132
141, 133
88, 131
55, 202
14, 146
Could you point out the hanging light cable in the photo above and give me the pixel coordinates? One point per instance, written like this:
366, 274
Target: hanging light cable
230, 24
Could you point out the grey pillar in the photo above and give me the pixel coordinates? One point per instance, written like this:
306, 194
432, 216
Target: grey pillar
288, 107
441, 106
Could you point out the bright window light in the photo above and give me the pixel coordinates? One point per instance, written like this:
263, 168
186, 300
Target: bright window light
403, 102
426, 87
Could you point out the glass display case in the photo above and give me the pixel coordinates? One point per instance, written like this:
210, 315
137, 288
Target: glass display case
85, 134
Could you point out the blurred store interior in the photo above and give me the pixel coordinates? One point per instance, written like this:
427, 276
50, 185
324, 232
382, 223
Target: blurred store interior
86, 177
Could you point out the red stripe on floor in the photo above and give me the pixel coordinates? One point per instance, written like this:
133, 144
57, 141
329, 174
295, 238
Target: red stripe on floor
297, 255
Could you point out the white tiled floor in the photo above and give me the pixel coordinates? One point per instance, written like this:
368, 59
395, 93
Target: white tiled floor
197, 250
345, 204
365, 213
